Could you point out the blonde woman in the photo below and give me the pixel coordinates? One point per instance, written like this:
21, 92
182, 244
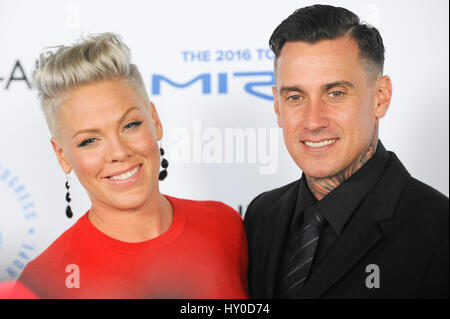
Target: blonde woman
134, 242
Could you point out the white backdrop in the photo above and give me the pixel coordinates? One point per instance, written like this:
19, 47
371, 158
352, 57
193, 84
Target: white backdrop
220, 132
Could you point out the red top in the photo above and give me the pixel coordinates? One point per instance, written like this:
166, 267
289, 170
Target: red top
202, 255
20, 291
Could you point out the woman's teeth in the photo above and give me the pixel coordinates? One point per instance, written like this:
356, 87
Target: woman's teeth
125, 175
320, 144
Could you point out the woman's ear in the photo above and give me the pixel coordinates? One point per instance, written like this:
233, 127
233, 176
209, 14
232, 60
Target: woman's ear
156, 122
383, 96
60, 155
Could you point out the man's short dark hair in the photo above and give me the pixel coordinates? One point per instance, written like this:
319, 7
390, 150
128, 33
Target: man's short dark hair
323, 22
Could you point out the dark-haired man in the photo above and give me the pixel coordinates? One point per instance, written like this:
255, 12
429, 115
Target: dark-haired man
356, 225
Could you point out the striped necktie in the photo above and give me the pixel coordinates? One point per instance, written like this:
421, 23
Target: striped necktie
302, 244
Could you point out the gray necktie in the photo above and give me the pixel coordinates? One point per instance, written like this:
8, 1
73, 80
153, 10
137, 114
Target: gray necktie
302, 243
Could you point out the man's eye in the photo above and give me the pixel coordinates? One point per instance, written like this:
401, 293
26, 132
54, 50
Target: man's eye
294, 98
87, 141
132, 124
336, 94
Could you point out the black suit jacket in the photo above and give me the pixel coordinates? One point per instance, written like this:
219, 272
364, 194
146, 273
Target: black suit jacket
401, 226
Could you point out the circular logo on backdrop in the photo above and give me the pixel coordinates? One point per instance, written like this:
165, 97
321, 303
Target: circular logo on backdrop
17, 233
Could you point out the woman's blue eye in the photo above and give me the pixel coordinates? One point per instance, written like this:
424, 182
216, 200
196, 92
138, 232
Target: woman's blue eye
91, 140
132, 124
87, 141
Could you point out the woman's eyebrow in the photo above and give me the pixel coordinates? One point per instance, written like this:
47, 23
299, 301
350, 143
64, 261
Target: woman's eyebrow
126, 113
96, 130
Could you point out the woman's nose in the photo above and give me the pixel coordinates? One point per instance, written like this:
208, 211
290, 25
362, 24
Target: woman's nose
118, 150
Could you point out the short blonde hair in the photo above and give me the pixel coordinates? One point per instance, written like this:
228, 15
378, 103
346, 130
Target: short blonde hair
97, 57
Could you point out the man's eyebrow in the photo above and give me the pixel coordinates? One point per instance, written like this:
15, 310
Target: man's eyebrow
327, 86
338, 83
95, 130
284, 89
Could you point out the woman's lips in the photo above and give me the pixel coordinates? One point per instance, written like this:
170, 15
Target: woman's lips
117, 173
125, 177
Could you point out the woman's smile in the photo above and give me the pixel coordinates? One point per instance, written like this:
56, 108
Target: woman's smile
125, 178
111, 136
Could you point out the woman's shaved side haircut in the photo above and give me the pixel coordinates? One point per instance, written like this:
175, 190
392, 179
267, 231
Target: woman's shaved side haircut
94, 58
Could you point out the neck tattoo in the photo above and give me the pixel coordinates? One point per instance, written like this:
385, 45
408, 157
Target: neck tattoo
320, 187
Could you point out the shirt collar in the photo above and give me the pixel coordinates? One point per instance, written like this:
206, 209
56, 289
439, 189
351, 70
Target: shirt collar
338, 205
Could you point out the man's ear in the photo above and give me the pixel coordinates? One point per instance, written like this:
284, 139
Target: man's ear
63, 162
276, 106
383, 96
156, 122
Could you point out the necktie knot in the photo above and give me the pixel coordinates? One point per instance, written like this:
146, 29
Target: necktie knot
312, 218
317, 220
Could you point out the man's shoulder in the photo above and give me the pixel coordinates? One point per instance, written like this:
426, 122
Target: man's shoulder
271, 201
417, 209
425, 204
425, 195
410, 196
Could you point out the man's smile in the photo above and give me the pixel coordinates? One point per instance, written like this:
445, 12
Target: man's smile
319, 145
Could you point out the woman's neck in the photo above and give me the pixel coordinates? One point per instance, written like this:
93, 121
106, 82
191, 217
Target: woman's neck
137, 225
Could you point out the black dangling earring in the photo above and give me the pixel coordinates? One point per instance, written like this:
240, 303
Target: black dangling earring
164, 165
69, 213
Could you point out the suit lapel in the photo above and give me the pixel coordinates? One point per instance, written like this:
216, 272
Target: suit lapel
362, 231
360, 236
281, 227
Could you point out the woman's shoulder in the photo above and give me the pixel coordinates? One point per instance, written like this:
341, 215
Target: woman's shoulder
206, 209
54, 254
47, 270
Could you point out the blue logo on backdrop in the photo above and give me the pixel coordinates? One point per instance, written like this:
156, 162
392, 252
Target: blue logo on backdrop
15, 253
251, 87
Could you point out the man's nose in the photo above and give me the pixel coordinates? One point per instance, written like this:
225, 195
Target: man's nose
315, 116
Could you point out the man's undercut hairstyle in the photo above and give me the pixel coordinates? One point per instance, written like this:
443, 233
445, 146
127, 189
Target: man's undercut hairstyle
94, 58
323, 22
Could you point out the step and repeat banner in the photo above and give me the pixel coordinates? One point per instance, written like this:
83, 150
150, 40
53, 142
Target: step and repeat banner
208, 69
